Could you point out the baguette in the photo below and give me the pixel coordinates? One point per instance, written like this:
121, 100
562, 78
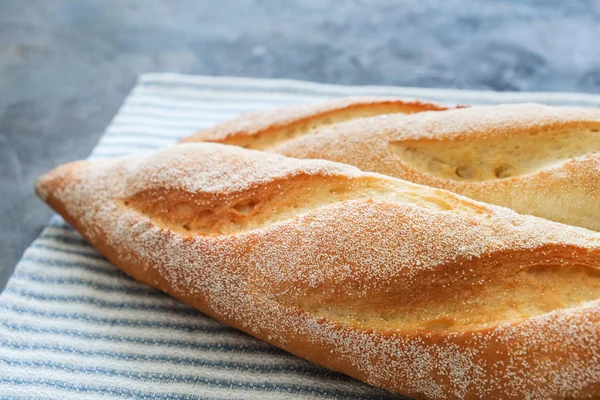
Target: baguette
535, 159
263, 129
409, 288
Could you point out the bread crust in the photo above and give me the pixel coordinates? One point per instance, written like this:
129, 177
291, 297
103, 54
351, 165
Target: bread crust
286, 123
563, 187
392, 283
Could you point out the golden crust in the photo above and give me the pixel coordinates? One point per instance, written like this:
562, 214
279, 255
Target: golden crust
555, 174
286, 123
390, 282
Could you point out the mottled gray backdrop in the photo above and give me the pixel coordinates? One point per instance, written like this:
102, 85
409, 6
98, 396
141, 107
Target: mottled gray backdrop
65, 66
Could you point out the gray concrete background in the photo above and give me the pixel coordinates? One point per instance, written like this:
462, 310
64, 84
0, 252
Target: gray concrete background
65, 66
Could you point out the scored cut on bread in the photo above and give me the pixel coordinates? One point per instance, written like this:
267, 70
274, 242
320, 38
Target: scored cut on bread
262, 129
535, 159
409, 288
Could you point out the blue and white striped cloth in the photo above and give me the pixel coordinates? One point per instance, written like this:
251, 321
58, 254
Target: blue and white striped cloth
72, 326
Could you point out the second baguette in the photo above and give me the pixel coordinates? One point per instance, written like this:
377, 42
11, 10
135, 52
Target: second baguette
264, 129
535, 159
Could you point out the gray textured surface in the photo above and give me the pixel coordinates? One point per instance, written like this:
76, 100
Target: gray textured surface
65, 66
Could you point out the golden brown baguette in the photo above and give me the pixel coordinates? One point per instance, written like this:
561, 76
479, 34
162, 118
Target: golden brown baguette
265, 128
409, 288
535, 159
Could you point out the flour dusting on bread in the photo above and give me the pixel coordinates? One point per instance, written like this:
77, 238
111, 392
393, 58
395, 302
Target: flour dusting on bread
263, 129
393, 283
535, 159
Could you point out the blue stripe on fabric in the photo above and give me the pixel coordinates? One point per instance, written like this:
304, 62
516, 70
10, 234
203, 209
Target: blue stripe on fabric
311, 89
52, 262
199, 98
198, 113
455, 99
120, 135
78, 240
318, 91
93, 256
186, 129
156, 133
134, 134
67, 236
291, 363
173, 308
58, 221
150, 114
113, 153
197, 380
108, 270
150, 103
320, 94
188, 379
146, 146
101, 389
98, 156
133, 287
249, 345
153, 131
172, 140
60, 224
192, 326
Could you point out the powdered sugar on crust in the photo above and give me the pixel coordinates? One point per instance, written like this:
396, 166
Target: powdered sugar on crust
352, 252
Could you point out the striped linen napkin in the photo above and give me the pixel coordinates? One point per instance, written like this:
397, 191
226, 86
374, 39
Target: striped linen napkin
72, 326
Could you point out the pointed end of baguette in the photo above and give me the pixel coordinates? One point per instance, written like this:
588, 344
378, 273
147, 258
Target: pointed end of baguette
49, 183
